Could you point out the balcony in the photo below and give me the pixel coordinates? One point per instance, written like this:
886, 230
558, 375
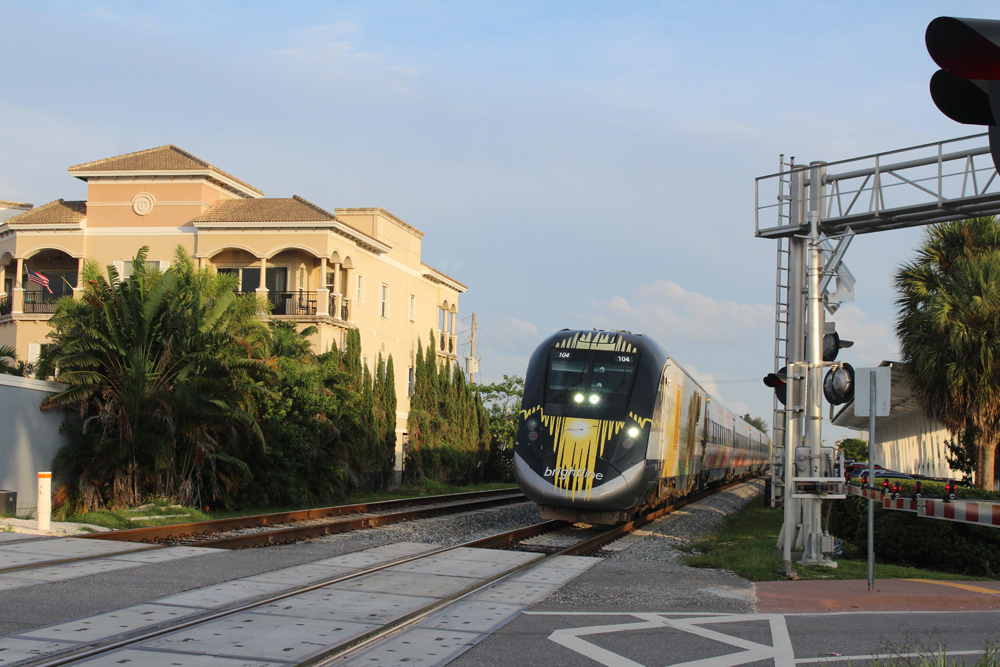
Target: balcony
43, 301
296, 303
5, 304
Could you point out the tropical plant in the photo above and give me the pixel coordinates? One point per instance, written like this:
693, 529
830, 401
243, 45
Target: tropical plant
163, 370
8, 360
948, 325
502, 401
285, 340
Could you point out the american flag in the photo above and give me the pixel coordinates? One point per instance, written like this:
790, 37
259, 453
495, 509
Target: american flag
36, 277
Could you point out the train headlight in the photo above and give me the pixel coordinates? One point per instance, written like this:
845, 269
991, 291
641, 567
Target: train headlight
594, 399
578, 398
633, 432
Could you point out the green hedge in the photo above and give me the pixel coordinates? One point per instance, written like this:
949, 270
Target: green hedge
903, 538
936, 490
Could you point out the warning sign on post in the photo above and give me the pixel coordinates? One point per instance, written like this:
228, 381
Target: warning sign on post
862, 391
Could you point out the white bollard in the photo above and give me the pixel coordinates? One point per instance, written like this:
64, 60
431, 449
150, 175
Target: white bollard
44, 511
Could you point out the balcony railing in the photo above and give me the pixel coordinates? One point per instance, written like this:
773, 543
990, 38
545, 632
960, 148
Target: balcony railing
293, 303
43, 301
5, 304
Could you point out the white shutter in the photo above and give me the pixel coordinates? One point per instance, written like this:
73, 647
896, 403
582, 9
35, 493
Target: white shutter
34, 351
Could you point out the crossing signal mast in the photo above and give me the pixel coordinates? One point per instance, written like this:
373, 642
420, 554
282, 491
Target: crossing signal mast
820, 207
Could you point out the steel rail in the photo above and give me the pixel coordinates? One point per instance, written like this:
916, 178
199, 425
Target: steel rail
295, 533
353, 647
99, 648
149, 533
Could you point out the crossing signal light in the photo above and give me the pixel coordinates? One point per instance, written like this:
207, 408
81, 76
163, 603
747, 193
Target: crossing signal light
779, 382
885, 486
838, 385
967, 87
832, 344
918, 489
949, 490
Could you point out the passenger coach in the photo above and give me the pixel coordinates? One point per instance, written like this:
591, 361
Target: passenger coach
610, 424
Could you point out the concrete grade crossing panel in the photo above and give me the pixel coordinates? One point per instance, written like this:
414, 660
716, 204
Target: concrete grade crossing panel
261, 636
353, 606
158, 659
290, 630
111, 624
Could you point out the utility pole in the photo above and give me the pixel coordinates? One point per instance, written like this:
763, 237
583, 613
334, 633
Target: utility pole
471, 362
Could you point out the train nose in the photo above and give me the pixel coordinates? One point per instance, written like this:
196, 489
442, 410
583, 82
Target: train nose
617, 490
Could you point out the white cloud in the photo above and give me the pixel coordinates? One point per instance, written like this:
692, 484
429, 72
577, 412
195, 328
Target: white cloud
323, 45
322, 52
669, 313
511, 335
874, 340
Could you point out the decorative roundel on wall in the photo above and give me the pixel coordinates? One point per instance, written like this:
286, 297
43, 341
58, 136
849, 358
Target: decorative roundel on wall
142, 203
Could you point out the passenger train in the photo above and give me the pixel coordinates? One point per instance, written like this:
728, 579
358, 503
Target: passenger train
611, 424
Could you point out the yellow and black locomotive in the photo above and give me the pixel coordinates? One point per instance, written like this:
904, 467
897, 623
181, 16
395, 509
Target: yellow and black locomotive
610, 424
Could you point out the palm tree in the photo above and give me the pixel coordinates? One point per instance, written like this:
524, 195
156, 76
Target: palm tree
8, 360
948, 326
163, 372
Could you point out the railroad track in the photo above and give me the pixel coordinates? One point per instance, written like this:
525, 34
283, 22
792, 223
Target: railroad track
343, 651
287, 527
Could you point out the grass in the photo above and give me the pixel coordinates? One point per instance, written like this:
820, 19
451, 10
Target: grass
990, 657
159, 507
745, 544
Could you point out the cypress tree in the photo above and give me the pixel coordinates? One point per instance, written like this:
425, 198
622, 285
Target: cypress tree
389, 405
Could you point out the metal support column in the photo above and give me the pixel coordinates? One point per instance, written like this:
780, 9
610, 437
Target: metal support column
812, 515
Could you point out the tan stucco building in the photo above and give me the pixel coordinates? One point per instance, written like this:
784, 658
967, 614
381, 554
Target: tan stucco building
354, 268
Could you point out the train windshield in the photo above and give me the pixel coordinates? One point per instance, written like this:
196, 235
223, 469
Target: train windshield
589, 383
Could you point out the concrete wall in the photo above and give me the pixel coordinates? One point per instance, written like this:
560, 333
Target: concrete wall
29, 438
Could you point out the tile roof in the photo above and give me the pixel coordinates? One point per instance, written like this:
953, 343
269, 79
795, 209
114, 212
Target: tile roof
266, 209
15, 204
163, 158
55, 212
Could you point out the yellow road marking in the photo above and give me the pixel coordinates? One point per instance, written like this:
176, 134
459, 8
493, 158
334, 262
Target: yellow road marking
966, 587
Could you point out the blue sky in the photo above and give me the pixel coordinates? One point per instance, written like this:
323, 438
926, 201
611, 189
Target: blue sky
577, 164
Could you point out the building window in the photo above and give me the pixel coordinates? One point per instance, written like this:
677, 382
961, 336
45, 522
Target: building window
384, 301
411, 380
360, 297
151, 266
303, 278
441, 319
413, 308
364, 360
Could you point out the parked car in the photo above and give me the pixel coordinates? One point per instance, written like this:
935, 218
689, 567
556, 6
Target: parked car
857, 467
884, 474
